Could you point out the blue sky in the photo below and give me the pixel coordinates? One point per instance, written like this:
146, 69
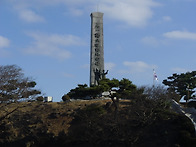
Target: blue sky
50, 40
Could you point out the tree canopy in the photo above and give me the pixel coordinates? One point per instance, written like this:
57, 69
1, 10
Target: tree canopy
124, 89
14, 86
183, 84
82, 91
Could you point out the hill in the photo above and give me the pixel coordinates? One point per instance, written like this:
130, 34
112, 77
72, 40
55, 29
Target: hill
138, 123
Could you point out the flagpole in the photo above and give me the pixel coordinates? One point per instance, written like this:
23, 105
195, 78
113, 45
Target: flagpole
153, 78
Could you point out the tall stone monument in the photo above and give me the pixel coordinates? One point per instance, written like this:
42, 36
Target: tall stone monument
97, 53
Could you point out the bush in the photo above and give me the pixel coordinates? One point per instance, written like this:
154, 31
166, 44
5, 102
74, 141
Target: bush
65, 98
192, 104
40, 99
159, 96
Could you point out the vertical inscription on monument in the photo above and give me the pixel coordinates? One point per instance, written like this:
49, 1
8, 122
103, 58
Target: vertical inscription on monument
97, 57
96, 43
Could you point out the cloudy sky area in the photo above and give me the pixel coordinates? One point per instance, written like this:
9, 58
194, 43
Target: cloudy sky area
50, 40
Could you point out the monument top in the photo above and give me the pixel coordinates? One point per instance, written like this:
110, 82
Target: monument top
97, 14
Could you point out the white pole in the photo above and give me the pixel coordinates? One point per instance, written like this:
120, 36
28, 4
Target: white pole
153, 78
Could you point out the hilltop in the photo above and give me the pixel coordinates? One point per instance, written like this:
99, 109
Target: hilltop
138, 123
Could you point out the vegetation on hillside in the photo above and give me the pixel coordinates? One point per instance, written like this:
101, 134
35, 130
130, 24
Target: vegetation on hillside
140, 122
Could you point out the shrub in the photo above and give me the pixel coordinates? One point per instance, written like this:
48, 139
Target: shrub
192, 104
65, 98
159, 96
40, 99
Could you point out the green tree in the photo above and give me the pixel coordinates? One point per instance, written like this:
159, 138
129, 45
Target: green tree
15, 86
123, 89
83, 91
126, 89
107, 84
182, 84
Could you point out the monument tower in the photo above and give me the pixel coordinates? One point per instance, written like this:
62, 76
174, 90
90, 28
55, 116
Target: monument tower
97, 53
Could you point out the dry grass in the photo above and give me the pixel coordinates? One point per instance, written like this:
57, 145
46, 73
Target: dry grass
55, 116
38, 122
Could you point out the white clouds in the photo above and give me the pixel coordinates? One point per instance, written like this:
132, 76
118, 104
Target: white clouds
180, 35
138, 66
26, 11
138, 71
52, 45
154, 41
30, 16
4, 42
132, 12
164, 19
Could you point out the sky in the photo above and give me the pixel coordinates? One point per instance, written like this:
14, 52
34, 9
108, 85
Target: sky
50, 40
